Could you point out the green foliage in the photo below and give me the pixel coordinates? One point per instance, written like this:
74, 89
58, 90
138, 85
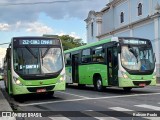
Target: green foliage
69, 42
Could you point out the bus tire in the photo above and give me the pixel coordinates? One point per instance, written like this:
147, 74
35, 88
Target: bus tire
127, 89
98, 84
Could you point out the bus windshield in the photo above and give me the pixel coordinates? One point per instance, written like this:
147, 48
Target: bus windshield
137, 58
37, 60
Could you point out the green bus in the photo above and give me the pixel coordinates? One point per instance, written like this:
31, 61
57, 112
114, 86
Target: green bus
126, 62
34, 65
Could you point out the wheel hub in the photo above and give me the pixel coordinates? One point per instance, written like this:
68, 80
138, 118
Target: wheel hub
99, 83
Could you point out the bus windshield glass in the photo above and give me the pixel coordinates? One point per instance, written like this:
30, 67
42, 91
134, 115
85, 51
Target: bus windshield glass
36, 60
137, 56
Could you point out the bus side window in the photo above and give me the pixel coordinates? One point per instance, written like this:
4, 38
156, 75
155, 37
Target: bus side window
110, 58
86, 56
98, 54
68, 59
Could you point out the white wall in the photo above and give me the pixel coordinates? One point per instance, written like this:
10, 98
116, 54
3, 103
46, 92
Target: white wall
123, 34
144, 31
123, 7
107, 21
134, 9
91, 38
154, 2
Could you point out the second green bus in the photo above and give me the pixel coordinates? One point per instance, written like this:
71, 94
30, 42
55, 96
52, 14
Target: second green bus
125, 62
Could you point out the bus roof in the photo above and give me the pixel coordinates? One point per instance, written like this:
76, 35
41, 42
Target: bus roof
34, 37
89, 45
102, 42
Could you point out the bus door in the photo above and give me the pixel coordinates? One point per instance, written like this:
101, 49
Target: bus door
75, 75
112, 63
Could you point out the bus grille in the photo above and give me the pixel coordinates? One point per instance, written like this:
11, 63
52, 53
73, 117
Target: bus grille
139, 82
34, 89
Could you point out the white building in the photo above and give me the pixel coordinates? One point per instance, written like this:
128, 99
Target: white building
2, 55
134, 18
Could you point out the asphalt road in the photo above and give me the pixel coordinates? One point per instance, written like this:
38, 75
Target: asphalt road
87, 104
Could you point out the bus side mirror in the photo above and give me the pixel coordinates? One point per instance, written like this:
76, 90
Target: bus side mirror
103, 50
118, 45
119, 49
154, 57
8, 52
68, 62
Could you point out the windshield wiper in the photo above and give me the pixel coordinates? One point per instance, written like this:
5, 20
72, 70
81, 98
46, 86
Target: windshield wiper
132, 50
45, 53
31, 51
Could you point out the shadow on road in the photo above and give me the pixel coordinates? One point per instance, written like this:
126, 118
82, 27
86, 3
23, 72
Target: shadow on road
112, 90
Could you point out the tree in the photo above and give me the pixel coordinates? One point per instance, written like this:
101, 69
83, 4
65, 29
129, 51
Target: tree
69, 42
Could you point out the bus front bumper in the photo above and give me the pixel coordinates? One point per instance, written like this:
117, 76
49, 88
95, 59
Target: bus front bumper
21, 89
136, 83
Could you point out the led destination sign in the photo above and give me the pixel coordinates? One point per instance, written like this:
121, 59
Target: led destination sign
38, 42
134, 42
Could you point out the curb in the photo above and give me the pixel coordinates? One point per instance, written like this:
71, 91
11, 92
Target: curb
4, 106
4, 103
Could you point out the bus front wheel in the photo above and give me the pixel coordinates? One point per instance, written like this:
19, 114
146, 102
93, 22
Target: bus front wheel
98, 84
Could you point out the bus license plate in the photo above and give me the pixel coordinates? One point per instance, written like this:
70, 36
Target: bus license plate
142, 84
41, 90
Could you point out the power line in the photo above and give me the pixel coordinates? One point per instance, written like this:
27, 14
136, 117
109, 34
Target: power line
4, 43
36, 3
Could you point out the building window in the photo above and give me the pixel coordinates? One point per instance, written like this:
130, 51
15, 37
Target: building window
122, 17
92, 29
139, 9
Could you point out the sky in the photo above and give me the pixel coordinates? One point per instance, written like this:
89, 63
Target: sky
50, 17
38, 17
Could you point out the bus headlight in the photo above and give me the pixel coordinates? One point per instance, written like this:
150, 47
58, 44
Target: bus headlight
124, 75
154, 75
62, 78
17, 81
